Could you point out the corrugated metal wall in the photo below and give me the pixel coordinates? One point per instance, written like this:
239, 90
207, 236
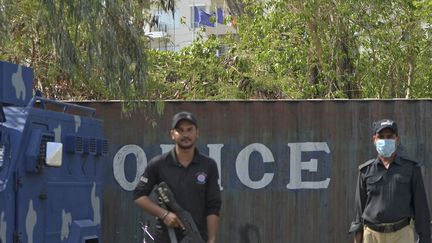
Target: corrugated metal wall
288, 168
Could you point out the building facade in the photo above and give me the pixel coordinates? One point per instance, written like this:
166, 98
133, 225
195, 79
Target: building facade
173, 31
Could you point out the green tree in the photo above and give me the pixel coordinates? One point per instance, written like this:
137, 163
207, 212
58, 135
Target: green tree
80, 49
315, 49
283, 49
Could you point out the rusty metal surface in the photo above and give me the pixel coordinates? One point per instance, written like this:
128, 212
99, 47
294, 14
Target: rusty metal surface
264, 202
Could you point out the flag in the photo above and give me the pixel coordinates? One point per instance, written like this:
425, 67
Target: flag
220, 18
202, 18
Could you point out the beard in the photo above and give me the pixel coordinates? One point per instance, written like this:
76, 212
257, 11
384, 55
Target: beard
186, 145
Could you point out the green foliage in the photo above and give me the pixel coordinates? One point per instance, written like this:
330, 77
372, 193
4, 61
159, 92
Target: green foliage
194, 73
282, 49
79, 49
311, 49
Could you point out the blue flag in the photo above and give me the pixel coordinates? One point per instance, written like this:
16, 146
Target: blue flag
220, 18
202, 18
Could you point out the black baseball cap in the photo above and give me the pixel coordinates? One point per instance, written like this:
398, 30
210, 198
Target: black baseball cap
184, 115
385, 123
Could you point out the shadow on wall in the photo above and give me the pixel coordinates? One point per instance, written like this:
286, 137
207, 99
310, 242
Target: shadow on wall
249, 233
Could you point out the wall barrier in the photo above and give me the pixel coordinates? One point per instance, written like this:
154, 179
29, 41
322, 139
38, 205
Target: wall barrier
288, 168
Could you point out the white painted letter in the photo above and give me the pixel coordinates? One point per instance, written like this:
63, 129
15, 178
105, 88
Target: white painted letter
166, 147
215, 153
296, 165
118, 165
242, 165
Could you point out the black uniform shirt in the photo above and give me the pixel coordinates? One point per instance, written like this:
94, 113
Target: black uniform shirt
389, 195
195, 187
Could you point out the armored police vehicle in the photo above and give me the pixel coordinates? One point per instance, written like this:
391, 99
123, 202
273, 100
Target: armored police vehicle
51, 160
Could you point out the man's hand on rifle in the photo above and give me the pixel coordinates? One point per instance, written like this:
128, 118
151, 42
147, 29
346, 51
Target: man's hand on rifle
171, 220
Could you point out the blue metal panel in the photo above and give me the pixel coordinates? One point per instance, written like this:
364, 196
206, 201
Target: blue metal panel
83, 230
39, 203
51, 200
16, 84
11, 132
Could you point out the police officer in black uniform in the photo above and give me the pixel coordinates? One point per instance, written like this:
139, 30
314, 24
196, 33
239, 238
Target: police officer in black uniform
390, 194
191, 176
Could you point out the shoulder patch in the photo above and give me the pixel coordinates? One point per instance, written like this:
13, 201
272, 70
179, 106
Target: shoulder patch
366, 164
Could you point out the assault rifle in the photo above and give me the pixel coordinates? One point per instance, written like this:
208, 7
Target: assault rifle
191, 232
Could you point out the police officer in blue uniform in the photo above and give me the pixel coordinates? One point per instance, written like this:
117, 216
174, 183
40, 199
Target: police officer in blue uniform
390, 194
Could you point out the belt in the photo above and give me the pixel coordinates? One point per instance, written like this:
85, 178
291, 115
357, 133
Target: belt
388, 227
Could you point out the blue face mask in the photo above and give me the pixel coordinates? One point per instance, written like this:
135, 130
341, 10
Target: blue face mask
385, 147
